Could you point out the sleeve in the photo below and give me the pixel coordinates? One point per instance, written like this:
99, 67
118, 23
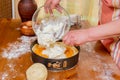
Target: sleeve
115, 52
113, 46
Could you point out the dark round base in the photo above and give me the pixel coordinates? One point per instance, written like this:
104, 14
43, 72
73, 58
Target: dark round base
56, 64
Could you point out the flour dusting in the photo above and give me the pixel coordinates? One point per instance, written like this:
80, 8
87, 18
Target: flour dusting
4, 75
104, 69
106, 72
18, 48
88, 47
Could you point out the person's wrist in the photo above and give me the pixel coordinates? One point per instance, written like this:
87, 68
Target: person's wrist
90, 34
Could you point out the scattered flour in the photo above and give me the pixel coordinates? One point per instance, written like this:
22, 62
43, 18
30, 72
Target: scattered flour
10, 71
16, 49
106, 75
106, 72
88, 47
11, 67
4, 76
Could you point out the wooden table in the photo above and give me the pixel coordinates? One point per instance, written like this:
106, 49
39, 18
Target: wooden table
95, 63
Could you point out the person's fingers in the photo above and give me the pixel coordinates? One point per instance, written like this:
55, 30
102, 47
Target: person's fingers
50, 5
53, 6
59, 8
67, 35
71, 43
48, 2
67, 42
47, 5
67, 39
46, 9
50, 11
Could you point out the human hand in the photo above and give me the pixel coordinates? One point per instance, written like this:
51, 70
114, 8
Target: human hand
76, 37
52, 4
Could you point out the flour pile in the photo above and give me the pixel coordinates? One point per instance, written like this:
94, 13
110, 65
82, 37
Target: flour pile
50, 30
17, 48
57, 51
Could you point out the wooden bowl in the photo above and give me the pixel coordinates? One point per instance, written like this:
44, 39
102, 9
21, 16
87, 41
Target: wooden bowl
26, 28
56, 64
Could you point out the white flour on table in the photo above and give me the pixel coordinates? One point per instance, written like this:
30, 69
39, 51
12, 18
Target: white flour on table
105, 73
103, 70
15, 50
18, 48
4, 76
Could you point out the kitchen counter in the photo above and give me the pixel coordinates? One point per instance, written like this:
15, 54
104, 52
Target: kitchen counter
95, 63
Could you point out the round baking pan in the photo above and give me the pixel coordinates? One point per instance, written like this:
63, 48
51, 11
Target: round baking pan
56, 64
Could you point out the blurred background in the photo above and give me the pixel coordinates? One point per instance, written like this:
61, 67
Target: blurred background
88, 9
5, 8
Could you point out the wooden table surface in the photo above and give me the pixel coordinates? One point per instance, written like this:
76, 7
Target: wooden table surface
95, 63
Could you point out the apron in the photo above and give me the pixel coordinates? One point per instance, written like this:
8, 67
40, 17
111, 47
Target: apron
110, 11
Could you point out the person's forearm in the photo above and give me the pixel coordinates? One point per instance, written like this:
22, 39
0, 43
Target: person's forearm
104, 31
